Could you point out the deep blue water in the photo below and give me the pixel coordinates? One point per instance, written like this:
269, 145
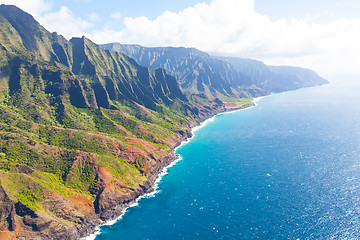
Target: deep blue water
288, 168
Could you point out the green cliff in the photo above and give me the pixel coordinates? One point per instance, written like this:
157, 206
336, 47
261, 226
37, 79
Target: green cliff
83, 131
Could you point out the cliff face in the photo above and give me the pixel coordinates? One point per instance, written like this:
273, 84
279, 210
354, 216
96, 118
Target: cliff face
7, 211
197, 71
83, 131
120, 78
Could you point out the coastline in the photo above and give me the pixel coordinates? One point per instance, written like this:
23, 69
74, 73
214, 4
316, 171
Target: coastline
255, 100
154, 185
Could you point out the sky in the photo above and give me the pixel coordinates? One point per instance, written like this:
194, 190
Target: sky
323, 35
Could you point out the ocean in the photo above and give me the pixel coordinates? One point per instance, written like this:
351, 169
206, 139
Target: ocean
288, 168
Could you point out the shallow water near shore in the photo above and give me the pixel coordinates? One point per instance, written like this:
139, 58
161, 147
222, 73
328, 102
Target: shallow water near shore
287, 168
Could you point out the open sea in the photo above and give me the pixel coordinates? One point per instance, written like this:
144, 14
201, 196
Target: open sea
288, 168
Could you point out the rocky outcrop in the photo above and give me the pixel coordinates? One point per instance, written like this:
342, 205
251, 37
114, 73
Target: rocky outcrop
7, 211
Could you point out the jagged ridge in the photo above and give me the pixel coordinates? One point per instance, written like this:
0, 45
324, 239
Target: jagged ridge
197, 71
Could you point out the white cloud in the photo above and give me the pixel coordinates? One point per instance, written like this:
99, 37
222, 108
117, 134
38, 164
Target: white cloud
116, 15
93, 16
34, 7
65, 23
82, 1
233, 27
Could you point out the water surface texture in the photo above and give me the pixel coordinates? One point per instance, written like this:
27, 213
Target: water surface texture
288, 168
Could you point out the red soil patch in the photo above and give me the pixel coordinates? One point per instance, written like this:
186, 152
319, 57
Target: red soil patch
109, 179
82, 157
123, 129
148, 146
117, 149
7, 235
131, 153
98, 135
142, 130
105, 174
230, 104
81, 202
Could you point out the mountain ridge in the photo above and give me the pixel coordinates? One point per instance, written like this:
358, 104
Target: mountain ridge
195, 71
246, 75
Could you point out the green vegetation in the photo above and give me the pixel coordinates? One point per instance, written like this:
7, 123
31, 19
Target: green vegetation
23, 188
81, 177
122, 170
52, 182
140, 162
30, 197
238, 103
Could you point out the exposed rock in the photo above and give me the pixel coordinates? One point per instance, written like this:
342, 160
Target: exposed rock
7, 211
25, 169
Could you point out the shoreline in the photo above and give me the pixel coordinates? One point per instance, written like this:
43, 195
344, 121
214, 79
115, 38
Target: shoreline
153, 190
254, 104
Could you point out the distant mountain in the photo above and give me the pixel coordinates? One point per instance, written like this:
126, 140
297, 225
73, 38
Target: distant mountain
275, 78
197, 71
301, 77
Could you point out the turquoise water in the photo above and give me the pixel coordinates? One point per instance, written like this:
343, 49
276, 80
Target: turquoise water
288, 168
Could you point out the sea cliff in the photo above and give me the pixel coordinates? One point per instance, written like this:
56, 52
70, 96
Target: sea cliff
85, 131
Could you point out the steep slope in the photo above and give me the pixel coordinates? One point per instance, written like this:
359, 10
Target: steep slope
195, 71
86, 59
259, 73
19, 31
83, 131
119, 77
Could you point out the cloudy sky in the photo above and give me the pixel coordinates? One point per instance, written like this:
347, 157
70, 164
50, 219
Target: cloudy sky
323, 35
